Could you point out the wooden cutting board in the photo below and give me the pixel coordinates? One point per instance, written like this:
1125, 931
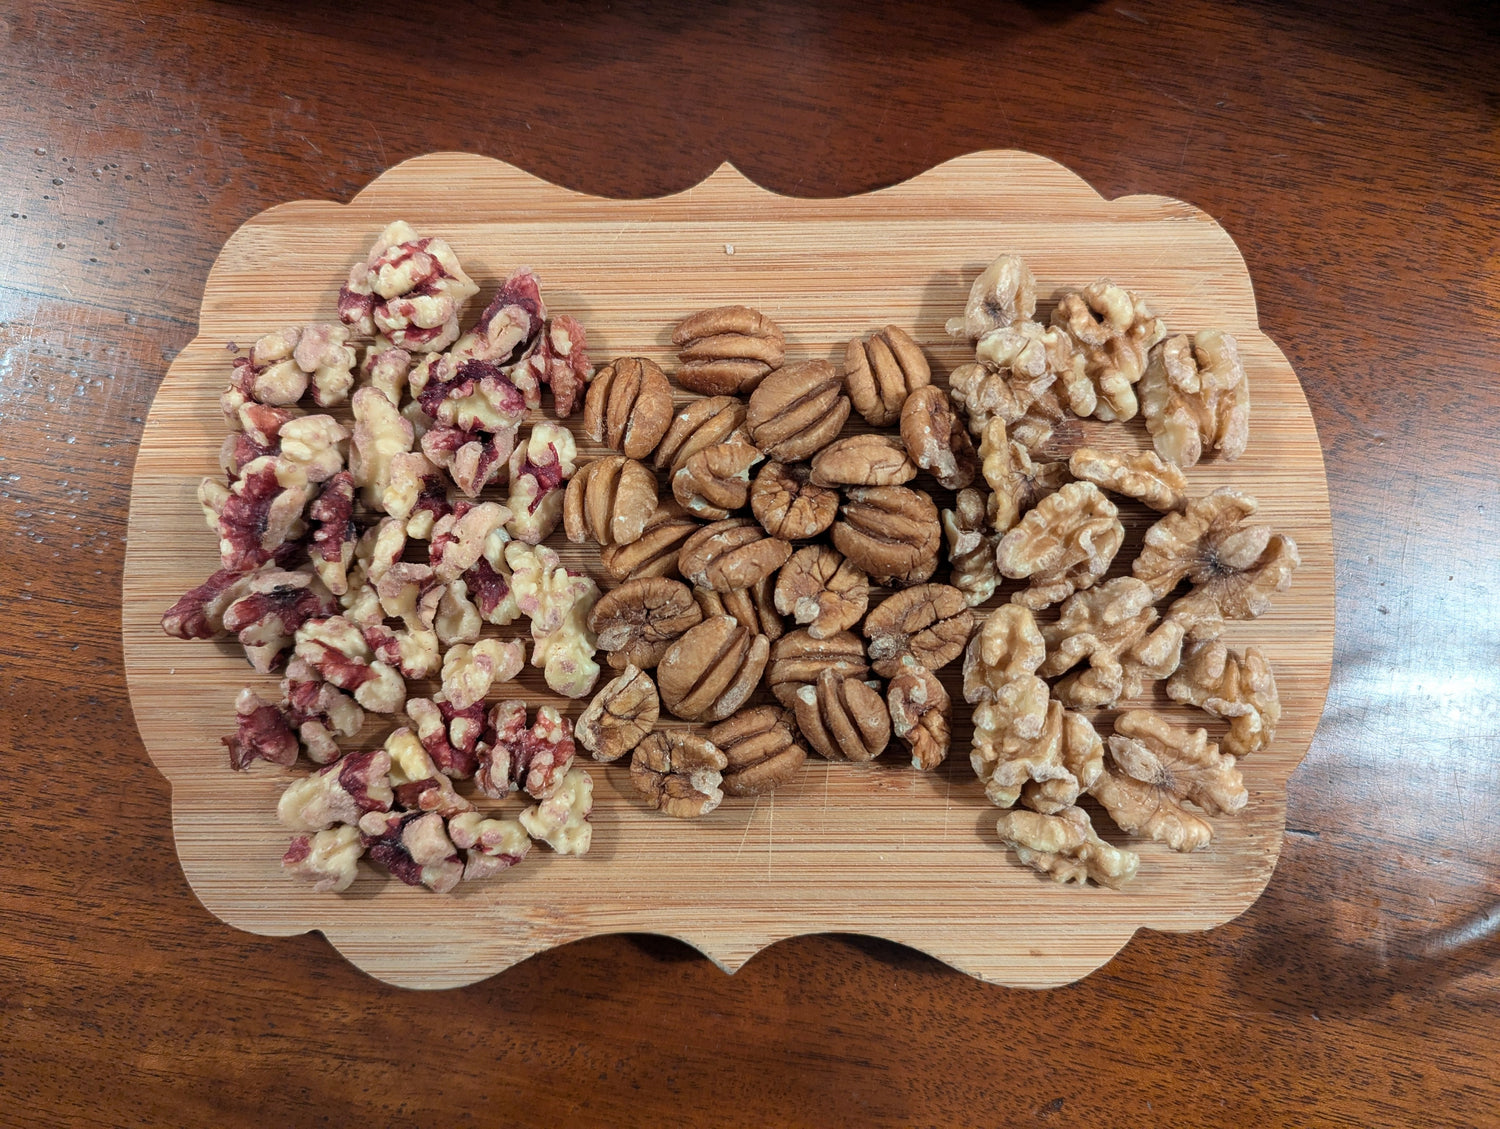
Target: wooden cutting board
876, 849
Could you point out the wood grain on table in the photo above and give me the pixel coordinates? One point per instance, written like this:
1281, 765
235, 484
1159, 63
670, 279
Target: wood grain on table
1350, 150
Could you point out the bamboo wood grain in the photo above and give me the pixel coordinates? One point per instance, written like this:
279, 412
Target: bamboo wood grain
876, 849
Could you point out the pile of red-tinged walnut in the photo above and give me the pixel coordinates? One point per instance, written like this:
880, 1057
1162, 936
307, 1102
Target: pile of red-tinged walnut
1051, 523
357, 553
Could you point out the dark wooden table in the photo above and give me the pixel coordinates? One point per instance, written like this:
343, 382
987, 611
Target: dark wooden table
1351, 150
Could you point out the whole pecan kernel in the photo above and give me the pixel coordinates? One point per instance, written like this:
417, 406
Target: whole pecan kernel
930, 622
701, 424
788, 505
936, 438
762, 750
843, 718
640, 619
891, 532
797, 659
820, 589
882, 371
709, 672
863, 460
797, 410
727, 349
609, 501
716, 480
655, 552
731, 554
628, 407
620, 716
678, 773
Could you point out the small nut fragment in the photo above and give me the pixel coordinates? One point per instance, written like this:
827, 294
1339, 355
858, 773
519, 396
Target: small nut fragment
971, 547
678, 773
1154, 767
1194, 395
1236, 567
414, 847
891, 532
1017, 482
1111, 627
936, 439
843, 718
1236, 686
380, 434
1066, 847
261, 732
609, 500
538, 469
797, 411
862, 460
1144, 476
701, 424
629, 407
1065, 543
328, 859
788, 505
621, 714
1115, 329
882, 371
711, 670
761, 748
655, 552
1004, 293
929, 622
715, 481
797, 659
818, 588
731, 554
727, 350
920, 713
753, 607
640, 619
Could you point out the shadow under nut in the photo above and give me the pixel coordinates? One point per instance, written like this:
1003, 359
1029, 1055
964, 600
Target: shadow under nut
892, 532
609, 501
712, 669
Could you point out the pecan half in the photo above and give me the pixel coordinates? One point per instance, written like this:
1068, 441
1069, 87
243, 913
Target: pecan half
797, 410
843, 718
620, 716
863, 460
920, 713
891, 532
731, 554
716, 480
609, 500
709, 672
930, 622
936, 438
701, 424
727, 349
882, 371
654, 553
640, 619
797, 659
788, 505
762, 750
817, 587
629, 407
678, 773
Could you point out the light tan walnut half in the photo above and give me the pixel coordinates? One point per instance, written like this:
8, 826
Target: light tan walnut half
1154, 766
1115, 329
1114, 629
1049, 769
1236, 686
1143, 476
1036, 360
1016, 481
1065, 847
971, 547
1064, 544
1005, 292
1194, 397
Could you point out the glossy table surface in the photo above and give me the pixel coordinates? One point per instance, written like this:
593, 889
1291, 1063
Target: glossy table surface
1351, 150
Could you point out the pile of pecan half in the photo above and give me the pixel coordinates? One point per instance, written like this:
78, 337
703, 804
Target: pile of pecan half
357, 553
